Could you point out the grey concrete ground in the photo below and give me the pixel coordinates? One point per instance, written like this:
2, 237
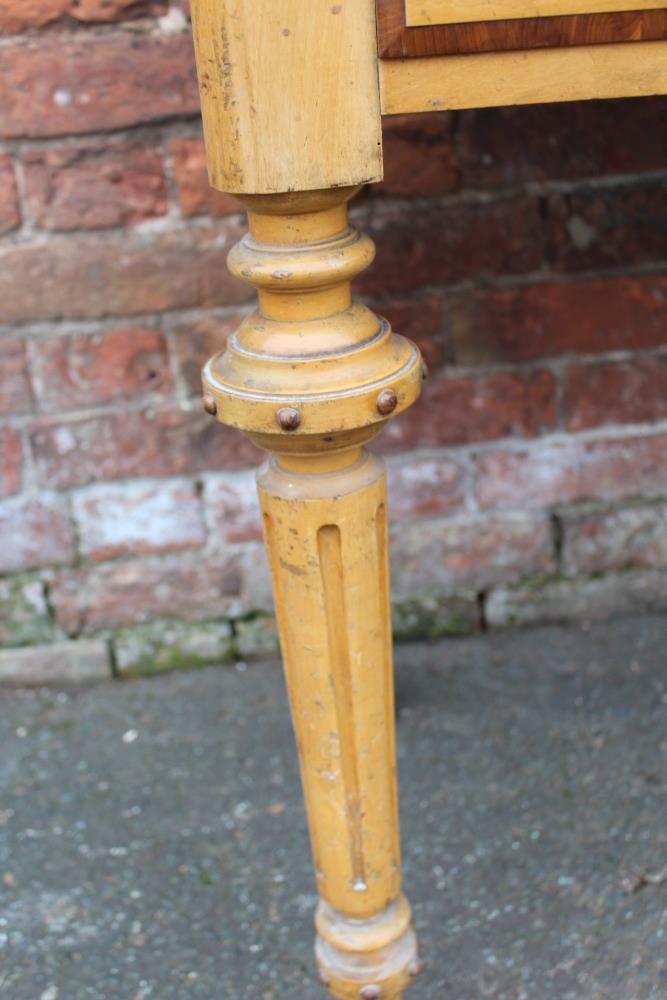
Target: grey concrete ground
153, 843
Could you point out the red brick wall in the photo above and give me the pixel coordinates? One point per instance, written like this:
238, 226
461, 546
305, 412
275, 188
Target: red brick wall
525, 250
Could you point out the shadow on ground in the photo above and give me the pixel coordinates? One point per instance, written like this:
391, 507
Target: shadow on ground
153, 844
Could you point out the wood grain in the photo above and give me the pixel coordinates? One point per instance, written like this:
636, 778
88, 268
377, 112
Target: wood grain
396, 41
540, 76
289, 100
421, 12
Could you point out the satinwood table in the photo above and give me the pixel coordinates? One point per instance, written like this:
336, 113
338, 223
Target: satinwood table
292, 95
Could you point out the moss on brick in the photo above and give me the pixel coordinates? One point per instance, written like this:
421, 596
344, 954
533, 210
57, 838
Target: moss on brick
256, 637
434, 617
24, 612
162, 646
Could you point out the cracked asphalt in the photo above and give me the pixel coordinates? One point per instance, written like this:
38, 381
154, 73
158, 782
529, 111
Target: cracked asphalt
153, 842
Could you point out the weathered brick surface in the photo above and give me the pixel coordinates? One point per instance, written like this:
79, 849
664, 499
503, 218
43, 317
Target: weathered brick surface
153, 443
508, 147
161, 646
61, 86
459, 409
138, 518
424, 486
625, 392
588, 315
82, 661
10, 212
128, 592
35, 532
24, 612
195, 194
421, 319
434, 616
196, 341
484, 224
556, 472
11, 464
17, 15
446, 243
256, 638
70, 186
89, 369
15, 390
109, 275
634, 592
598, 540
419, 156
607, 227
232, 507
468, 553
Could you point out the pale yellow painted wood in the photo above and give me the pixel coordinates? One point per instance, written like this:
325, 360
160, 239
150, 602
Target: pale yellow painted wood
326, 535
311, 376
289, 93
635, 69
423, 12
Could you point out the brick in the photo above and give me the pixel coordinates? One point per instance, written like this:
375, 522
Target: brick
556, 472
424, 486
24, 612
93, 187
11, 461
195, 194
129, 592
89, 369
10, 212
418, 156
70, 662
468, 554
621, 392
17, 15
428, 616
595, 541
507, 147
194, 342
161, 646
256, 597
608, 227
35, 532
109, 274
447, 243
69, 86
555, 601
137, 518
15, 390
232, 507
128, 445
257, 638
114, 10
459, 409
588, 315
422, 320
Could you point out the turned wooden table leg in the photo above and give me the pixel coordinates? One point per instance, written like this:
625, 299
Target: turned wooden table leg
311, 377
290, 101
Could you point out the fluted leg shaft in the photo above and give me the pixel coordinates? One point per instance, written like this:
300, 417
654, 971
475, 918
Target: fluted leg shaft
325, 524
